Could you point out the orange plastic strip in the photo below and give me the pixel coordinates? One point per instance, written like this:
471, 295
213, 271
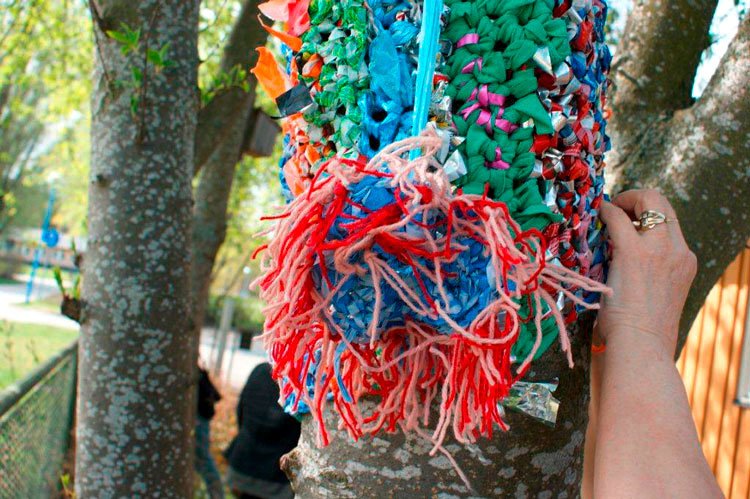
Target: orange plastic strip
292, 42
270, 76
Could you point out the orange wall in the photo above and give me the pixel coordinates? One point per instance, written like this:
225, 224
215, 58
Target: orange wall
710, 365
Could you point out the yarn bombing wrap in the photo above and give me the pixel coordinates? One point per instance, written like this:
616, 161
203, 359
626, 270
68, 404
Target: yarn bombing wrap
431, 268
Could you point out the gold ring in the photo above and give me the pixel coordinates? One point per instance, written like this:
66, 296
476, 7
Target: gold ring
650, 219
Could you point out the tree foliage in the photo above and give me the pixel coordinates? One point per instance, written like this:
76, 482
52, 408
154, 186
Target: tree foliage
45, 67
45, 60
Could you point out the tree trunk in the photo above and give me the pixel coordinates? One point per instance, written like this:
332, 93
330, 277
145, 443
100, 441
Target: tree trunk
697, 154
222, 126
530, 460
136, 369
655, 66
210, 212
698, 157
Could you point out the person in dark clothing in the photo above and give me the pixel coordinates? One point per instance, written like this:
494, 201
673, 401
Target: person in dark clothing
204, 462
266, 433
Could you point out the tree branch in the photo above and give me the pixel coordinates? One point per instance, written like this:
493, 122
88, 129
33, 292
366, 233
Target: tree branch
221, 128
700, 159
144, 85
655, 63
218, 117
99, 23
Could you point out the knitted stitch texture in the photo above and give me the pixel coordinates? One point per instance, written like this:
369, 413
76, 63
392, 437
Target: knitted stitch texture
432, 268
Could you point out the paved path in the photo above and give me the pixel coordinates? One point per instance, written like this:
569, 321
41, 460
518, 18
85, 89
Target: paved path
12, 308
236, 365
16, 292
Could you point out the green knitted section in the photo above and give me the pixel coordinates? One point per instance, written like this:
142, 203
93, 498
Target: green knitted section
501, 57
338, 34
509, 32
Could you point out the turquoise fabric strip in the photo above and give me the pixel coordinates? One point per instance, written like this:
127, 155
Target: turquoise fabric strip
428, 47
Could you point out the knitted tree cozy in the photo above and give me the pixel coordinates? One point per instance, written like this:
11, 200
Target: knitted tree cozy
443, 171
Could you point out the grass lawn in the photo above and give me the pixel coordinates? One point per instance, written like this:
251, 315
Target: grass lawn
49, 304
24, 346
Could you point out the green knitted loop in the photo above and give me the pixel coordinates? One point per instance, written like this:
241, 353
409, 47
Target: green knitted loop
338, 34
509, 35
501, 62
319, 11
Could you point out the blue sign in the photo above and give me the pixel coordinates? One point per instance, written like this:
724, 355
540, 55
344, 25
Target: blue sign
51, 237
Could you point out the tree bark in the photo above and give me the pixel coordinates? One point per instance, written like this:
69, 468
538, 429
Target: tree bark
655, 64
530, 460
136, 384
221, 129
223, 114
699, 158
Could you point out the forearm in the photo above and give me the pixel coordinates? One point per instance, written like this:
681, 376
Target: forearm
589, 452
646, 443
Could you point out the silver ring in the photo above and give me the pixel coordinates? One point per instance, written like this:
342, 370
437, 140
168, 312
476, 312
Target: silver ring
650, 219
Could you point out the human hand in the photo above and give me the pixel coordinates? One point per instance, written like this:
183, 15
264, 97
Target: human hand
650, 272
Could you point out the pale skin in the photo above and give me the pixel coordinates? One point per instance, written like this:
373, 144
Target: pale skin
646, 444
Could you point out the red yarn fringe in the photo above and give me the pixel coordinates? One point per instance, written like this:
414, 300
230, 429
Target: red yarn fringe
404, 370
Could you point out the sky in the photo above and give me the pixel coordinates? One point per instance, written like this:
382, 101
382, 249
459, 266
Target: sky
723, 28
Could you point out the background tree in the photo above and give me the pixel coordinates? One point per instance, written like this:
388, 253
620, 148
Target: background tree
136, 365
152, 131
223, 125
663, 139
696, 152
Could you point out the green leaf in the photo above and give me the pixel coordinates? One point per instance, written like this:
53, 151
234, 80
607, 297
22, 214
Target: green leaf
119, 36
134, 104
154, 57
58, 279
137, 76
133, 36
128, 38
163, 51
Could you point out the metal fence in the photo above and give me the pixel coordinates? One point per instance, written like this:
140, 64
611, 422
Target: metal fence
36, 418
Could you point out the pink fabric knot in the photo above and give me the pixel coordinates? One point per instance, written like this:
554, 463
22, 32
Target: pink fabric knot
498, 164
468, 39
471, 65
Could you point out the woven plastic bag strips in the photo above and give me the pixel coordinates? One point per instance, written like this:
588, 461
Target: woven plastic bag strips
386, 280
504, 50
338, 37
387, 107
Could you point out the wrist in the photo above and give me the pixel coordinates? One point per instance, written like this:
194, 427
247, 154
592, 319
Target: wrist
653, 345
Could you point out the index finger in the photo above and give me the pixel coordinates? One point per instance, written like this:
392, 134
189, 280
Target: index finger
619, 227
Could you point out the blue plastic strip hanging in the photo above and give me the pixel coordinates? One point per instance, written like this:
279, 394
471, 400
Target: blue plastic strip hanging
428, 48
